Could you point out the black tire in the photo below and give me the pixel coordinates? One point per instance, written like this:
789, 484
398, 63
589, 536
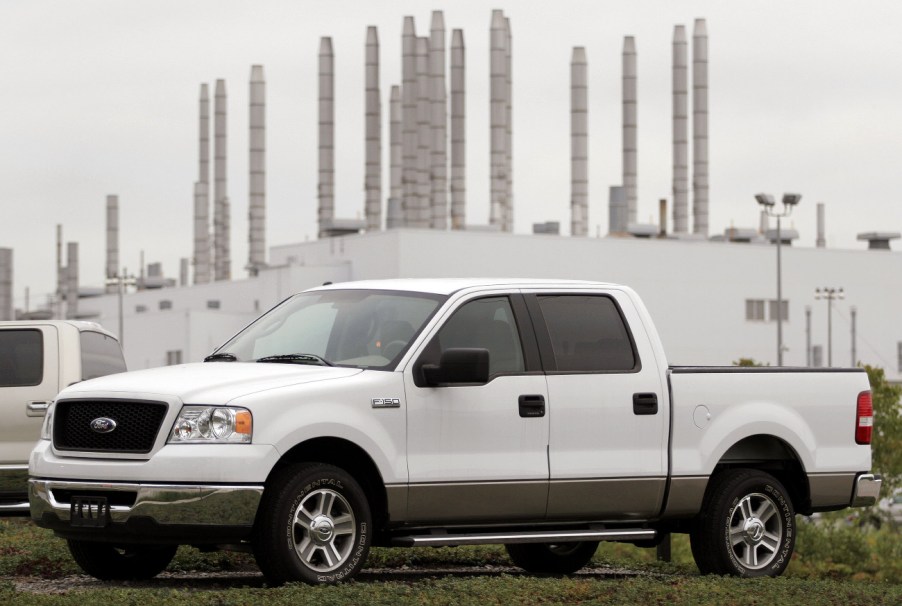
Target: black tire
746, 527
328, 499
552, 558
109, 562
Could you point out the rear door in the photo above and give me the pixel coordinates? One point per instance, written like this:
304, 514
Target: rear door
608, 438
29, 378
479, 452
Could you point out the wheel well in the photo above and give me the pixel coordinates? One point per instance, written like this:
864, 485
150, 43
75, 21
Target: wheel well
774, 456
349, 457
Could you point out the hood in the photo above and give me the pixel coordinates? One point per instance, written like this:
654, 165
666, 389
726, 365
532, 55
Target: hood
209, 382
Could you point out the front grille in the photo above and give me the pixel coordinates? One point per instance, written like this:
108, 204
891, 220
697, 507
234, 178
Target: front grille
137, 425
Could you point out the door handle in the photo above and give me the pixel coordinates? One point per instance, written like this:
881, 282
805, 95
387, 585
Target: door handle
36, 409
645, 403
532, 406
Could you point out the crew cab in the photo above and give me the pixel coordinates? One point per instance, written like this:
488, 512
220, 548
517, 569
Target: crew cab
38, 359
541, 415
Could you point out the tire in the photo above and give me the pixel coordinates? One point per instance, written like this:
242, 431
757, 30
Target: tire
109, 562
746, 527
313, 525
552, 558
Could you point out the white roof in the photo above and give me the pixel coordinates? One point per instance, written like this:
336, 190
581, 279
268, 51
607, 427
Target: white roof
81, 325
447, 286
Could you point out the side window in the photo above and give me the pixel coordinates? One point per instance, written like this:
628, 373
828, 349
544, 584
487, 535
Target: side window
587, 333
100, 355
486, 324
21, 358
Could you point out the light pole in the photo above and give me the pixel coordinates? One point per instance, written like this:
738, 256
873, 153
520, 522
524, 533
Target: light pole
767, 203
121, 280
830, 294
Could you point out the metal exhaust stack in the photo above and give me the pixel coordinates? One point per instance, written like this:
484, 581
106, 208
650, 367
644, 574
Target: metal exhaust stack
221, 221
112, 241
821, 239
498, 120
458, 124
423, 211
326, 212
509, 121
257, 177
202, 195
579, 143
408, 120
6, 285
60, 273
680, 132
394, 216
700, 127
71, 280
629, 126
373, 143
439, 96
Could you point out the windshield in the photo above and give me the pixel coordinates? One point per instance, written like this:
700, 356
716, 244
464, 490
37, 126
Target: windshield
362, 328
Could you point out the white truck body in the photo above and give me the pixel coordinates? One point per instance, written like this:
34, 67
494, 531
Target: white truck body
37, 360
567, 438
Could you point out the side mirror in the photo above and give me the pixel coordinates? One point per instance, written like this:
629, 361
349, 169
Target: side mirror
460, 366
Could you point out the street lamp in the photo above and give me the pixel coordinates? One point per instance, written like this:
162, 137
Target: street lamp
830, 294
767, 203
120, 281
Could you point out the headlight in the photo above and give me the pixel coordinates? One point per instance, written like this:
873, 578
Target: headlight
212, 424
47, 427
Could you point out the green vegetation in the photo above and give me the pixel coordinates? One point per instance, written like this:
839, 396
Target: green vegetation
887, 439
835, 564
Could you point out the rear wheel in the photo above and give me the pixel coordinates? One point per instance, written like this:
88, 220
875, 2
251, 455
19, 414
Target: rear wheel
121, 562
746, 528
552, 558
314, 526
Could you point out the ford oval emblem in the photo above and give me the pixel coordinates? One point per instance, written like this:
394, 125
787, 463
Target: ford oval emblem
103, 425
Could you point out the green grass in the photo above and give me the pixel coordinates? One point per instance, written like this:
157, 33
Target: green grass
834, 564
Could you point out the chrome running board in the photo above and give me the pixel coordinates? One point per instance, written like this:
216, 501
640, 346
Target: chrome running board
545, 536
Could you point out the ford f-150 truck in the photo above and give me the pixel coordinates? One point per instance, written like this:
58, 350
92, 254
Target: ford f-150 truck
37, 359
541, 415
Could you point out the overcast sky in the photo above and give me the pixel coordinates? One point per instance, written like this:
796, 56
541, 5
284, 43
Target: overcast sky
101, 97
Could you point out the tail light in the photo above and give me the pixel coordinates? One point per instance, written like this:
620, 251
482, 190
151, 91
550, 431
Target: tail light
864, 418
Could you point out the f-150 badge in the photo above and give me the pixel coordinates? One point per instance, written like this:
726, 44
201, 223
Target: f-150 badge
386, 403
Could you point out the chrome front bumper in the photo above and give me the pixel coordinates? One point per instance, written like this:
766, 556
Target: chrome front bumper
166, 505
867, 490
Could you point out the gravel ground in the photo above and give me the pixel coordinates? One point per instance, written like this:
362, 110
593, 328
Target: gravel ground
213, 581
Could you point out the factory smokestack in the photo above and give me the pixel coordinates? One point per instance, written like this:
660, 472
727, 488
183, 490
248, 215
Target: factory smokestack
202, 195
72, 280
409, 120
394, 215
680, 132
629, 126
821, 239
60, 273
373, 117
458, 123
700, 127
423, 210
498, 120
439, 122
6, 285
509, 133
257, 177
579, 143
618, 211
326, 212
183, 271
112, 241
221, 236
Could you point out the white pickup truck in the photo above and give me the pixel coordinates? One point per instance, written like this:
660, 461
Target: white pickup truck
541, 415
37, 360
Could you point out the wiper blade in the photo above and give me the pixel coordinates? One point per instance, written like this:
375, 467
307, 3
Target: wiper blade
297, 359
221, 357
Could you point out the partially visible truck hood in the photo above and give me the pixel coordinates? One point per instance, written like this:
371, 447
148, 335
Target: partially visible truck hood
207, 383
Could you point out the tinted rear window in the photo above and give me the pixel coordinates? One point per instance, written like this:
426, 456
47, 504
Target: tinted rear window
100, 355
21, 358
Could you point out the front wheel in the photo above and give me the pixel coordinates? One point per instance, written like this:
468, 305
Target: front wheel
746, 528
552, 558
313, 526
121, 563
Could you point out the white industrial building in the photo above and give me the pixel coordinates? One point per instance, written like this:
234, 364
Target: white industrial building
711, 301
